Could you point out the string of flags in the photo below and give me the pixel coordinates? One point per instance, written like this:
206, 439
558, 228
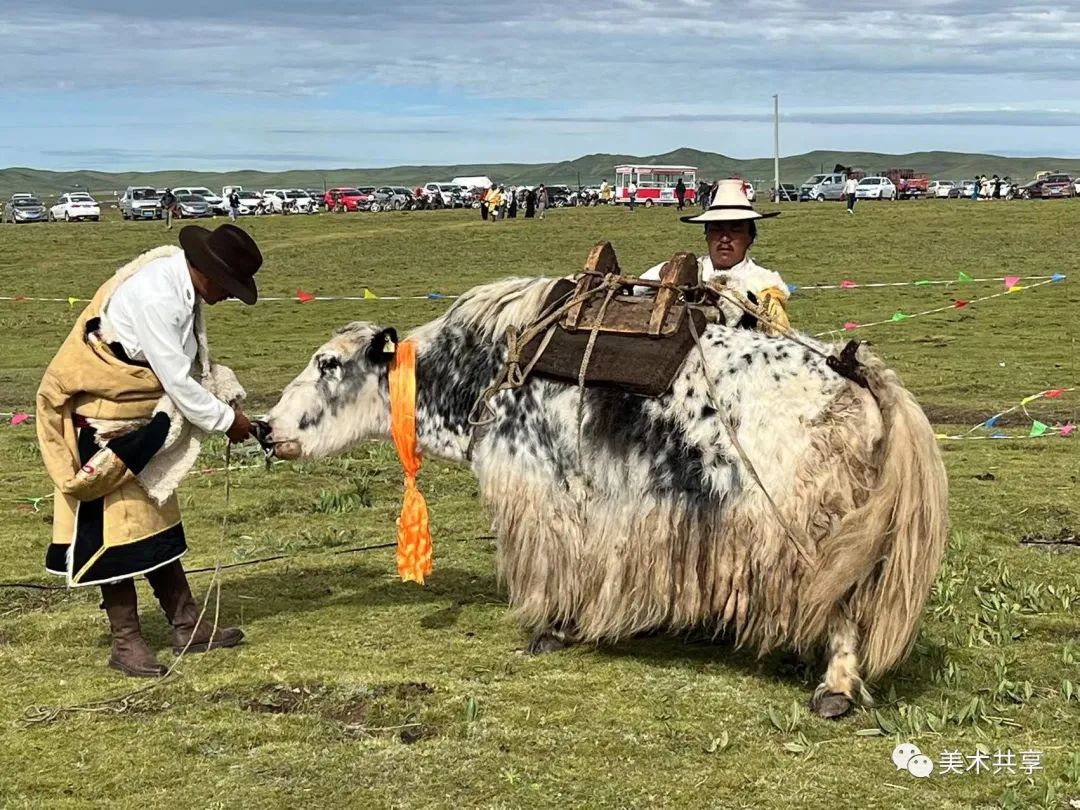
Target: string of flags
301, 296
1012, 285
305, 297
1037, 430
848, 284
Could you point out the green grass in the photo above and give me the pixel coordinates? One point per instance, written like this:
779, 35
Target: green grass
356, 690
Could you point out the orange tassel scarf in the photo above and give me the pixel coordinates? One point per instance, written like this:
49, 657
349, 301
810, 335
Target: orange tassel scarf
414, 533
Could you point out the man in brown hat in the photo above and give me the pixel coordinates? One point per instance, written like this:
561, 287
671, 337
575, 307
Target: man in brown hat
121, 411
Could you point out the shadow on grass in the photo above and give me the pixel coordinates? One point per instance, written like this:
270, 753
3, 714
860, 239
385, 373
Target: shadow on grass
698, 649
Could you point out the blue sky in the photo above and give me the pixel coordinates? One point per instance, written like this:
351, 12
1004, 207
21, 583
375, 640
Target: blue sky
272, 84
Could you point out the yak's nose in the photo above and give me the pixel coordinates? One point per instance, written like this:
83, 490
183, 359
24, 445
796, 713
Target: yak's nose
261, 431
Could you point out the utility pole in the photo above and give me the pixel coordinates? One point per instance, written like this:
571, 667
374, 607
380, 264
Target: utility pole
776, 146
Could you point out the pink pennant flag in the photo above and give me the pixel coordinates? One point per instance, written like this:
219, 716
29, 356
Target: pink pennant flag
851, 325
1010, 281
19, 418
1067, 430
304, 297
847, 284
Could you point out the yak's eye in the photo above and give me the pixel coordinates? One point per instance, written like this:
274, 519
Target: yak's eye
327, 364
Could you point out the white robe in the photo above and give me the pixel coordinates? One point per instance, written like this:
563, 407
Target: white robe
747, 277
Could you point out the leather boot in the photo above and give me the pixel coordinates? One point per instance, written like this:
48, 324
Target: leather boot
130, 654
173, 592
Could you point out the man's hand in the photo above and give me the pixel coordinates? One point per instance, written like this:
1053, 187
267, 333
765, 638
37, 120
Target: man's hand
240, 430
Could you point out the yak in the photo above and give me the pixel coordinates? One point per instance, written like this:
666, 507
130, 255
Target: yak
819, 529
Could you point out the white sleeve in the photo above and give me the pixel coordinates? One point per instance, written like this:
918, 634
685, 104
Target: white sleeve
652, 274
159, 336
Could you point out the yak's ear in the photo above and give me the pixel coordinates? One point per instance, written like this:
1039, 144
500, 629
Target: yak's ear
383, 345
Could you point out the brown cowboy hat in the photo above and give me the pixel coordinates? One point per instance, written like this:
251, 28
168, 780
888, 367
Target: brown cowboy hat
228, 255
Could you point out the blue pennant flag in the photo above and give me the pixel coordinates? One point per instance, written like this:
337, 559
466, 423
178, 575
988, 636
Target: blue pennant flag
991, 422
434, 296
1057, 277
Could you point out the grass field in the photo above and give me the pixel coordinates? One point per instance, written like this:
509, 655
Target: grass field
356, 690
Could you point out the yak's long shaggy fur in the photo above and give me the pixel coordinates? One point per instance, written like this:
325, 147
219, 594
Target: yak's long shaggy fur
656, 524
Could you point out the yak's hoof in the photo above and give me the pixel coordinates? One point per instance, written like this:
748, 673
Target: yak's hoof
831, 705
547, 641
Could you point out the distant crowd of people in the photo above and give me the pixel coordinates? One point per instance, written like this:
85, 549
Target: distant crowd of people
499, 202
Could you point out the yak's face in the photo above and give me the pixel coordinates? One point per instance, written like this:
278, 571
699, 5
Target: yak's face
339, 399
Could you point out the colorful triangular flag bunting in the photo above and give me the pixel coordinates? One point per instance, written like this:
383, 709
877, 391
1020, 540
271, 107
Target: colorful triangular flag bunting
899, 316
963, 276
368, 294
1011, 281
19, 418
1037, 429
959, 304
304, 297
1057, 277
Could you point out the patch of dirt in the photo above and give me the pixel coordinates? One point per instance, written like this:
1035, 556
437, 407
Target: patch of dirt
1065, 541
960, 415
386, 710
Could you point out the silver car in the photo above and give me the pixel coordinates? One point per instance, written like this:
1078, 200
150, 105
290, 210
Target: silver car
24, 208
189, 206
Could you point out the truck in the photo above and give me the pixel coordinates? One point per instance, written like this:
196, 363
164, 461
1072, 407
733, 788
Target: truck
910, 185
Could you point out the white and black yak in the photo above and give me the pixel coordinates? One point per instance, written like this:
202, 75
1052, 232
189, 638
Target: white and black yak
659, 525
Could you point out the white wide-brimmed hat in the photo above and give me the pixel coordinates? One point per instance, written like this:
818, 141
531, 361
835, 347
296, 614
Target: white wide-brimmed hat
729, 204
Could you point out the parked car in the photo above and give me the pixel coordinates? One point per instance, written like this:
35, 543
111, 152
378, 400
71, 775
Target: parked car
1031, 190
788, 192
875, 188
351, 199
249, 201
292, 200
1057, 185
387, 198
939, 189
448, 193
218, 205
558, 196
24, 208
821, 187
75, 205
140, 202
191, 206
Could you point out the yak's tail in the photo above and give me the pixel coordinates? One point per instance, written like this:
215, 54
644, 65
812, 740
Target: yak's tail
883, 558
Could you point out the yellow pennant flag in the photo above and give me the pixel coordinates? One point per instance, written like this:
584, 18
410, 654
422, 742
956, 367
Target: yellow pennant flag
72, 301
369, 294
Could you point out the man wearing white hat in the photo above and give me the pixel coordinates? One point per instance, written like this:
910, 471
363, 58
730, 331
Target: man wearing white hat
730, 230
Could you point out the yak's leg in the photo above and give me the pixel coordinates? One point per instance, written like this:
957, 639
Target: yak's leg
842, 687
551, 638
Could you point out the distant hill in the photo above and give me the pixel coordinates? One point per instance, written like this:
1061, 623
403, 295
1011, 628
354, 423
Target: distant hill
587, 170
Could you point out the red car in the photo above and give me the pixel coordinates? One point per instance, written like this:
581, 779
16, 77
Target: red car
352, 199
